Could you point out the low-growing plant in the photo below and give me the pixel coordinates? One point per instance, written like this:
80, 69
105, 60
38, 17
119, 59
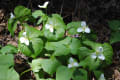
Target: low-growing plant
59, 51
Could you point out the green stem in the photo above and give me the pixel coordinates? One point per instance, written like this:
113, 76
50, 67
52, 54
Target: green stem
25, 71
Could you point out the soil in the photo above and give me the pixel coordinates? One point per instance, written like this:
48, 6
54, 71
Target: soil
96, 12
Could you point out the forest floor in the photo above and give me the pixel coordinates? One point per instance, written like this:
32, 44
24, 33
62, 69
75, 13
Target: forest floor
95, 12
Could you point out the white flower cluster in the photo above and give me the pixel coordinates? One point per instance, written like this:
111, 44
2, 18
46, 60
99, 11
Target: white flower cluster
50, 27
72, 63
98, 54
24, 39
84, 28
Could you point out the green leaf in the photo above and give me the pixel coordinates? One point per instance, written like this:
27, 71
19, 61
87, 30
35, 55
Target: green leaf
64, 73
97, 73
60, 48
7, 74
108, 53
9, 49
75, 45
50, 65
25, 49
58, 26
6, 60
90, 63
35, 65
12, 25
84, 52
32, 32
21, 11
80, 74
37, 13
72, 27
114, 25
92, 44
115, 37
37, 45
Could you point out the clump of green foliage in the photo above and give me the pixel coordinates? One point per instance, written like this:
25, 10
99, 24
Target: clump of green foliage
63, 51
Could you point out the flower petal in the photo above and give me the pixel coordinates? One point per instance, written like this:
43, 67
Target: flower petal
27, 42
24, 33
44, 5
87, 30
94, 56
71, 60
51, 29
22, 39
70, 66
11, 15
102, 77
83, 23
75, 64
80, 29
100, 49
47, 26
101, 57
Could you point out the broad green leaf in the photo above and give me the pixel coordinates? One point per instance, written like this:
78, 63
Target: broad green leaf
75, 45
32, 32
9, 49
115, 37
80, 74
37, 13
97, 73
60, 48
58, 26
108, 53
92, 44
114, 25
12, 25
37, 45
25, 49
21, 11
90, 63
72, 27
35, 65
8, 74
64, 73
6, 60
50, 65
84, 52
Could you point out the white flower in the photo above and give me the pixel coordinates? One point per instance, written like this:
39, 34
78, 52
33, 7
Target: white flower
11, 15
72, 63
83, 23
99, 49
98, 54
44, 5
83, 28
102, 77
24, 33
50, 27
24, 39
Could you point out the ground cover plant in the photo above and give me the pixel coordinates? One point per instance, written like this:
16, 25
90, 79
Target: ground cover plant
58, 50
